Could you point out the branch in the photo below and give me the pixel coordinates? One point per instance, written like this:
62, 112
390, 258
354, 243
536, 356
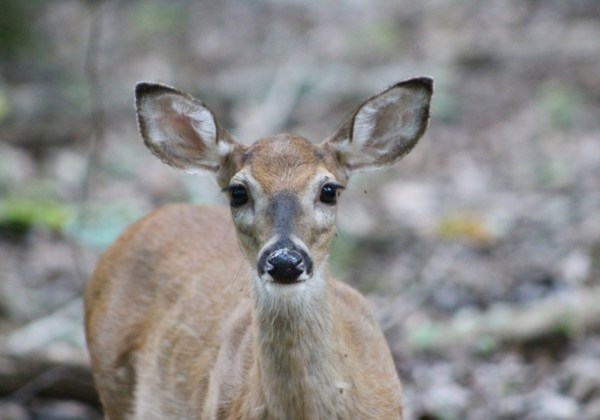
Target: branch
562, 314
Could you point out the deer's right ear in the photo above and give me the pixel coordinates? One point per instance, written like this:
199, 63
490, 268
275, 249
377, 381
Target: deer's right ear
179, 129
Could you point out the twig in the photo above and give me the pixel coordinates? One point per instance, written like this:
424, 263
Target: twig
97, 122
63, 322
39, 383
22, 378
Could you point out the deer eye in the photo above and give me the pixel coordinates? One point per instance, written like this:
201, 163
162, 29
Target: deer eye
329, 193
238, 195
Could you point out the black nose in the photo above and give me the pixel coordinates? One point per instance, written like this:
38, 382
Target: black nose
284, 265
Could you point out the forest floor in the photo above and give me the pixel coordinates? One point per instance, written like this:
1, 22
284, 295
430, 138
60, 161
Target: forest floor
480, 251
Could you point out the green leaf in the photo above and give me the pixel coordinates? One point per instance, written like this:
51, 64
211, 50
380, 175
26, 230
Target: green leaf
425, 336
21, 214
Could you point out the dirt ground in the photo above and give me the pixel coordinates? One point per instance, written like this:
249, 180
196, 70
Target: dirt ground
480, 251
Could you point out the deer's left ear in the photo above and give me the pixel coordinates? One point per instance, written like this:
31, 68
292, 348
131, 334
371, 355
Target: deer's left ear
385, 127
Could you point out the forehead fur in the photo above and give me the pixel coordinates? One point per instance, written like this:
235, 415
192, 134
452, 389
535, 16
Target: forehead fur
287, 161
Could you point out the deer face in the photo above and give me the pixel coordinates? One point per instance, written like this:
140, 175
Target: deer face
283, 190
283, 204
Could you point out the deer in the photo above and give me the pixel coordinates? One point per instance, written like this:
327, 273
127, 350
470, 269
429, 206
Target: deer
209, 312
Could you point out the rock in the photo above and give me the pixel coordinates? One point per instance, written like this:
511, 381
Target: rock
440, 395
412, 203
582, 378
552, 406
16, 168
13, 411
592, 411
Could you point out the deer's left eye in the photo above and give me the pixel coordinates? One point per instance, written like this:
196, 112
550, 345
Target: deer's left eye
329, 193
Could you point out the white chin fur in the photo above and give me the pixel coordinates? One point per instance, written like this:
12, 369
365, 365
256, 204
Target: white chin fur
303, 290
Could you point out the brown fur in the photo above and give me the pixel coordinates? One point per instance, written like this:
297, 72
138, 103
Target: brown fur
180, 324
162, 351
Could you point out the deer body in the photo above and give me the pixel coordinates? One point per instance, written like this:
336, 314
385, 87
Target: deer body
204, 312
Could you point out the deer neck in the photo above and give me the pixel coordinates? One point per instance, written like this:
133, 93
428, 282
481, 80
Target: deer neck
297, 351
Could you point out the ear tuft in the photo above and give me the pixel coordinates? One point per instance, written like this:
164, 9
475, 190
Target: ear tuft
145, 89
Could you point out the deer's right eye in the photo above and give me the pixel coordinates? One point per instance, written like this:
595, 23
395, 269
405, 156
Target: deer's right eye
238, 195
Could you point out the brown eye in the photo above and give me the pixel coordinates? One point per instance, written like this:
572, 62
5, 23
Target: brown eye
238, 195
329, 193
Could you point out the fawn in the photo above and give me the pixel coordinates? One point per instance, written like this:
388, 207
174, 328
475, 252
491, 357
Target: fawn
214, 313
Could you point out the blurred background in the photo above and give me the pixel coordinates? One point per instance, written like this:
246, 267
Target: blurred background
480, 252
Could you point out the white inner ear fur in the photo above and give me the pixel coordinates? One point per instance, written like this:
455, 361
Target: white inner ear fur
393, 114
203, 121
164, 117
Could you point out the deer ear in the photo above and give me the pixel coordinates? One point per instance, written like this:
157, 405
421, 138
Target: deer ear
179, 129
385, 127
